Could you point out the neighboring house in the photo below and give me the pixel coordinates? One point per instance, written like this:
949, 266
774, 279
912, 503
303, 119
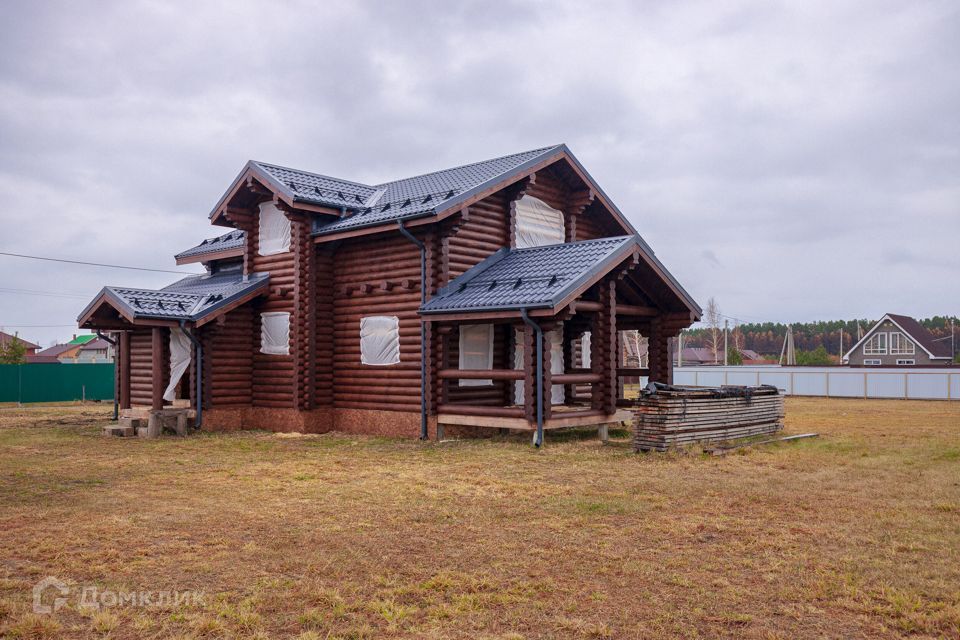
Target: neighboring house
63, 353
29, 348
97, 351
397, 307
694, 356
698, 356
897, 340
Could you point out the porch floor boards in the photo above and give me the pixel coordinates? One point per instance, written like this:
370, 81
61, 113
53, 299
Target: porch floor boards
557, 421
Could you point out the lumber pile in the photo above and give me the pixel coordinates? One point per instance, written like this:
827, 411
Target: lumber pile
666, 417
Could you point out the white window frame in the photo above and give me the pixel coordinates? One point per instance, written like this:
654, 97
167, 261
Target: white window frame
268, 335
537, 224
901, 345
273, 235
905, 361
379, 341
466, 348
872, 362
869, 350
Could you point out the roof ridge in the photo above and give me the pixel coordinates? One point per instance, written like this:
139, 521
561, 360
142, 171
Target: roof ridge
576, 243
473, 164
316, 175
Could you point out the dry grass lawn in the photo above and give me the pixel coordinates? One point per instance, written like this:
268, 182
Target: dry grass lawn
855, 534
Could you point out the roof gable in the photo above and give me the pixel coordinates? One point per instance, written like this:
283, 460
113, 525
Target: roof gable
533, 278
913, 330
192, 299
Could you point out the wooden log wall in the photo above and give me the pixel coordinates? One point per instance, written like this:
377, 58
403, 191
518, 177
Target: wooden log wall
474, 237
274, 376
228, 359
378, 275
323, 327
141, 365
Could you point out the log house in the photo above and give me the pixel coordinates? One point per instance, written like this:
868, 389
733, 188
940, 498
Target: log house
404, 307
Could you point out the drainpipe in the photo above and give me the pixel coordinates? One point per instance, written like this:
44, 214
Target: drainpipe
423, 327
116, 400
199, 346
538, 436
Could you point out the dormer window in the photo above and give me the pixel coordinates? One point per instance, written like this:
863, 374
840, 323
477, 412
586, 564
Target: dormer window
274, 230
536, 223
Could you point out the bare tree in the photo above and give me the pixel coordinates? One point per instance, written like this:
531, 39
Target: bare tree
711, 316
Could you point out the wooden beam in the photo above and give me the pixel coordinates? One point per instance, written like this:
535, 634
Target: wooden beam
480, 374
124, 366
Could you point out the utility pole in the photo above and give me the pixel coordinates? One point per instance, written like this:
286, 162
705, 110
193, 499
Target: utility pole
726, 325
841, 345
953, 346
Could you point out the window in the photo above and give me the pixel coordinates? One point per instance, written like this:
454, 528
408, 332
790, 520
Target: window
906, 361
380, 340
876, 345
585, 350
275, 333
872, 362
476, 351
274, 230
536, 223
900, 345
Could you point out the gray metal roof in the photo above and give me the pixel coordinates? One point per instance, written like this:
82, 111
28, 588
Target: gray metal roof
420, 195
233, 240
189, 299
538, 277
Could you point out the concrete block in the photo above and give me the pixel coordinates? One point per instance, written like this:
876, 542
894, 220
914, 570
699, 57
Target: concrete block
119, 431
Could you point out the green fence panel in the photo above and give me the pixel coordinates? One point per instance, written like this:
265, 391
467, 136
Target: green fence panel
55, 382
9, 382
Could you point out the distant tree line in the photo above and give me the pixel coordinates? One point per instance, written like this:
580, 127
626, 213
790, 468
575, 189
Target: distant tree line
820, 338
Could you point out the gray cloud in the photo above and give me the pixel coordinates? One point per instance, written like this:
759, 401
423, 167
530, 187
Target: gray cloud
795, 162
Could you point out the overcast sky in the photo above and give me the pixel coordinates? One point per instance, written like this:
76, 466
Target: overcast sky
796, 161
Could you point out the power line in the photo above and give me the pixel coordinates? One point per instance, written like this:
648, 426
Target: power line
51, 294
94, 264
36, 326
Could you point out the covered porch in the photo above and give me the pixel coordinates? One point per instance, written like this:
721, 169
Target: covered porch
532, 339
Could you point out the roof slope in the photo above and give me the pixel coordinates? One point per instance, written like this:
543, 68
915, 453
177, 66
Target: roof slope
923, 337
6, 337
538, 277
233, 240
57, 349
83, 339
190, 299
421, 195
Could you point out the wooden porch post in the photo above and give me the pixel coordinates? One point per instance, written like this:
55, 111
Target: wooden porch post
569, 353
661, 368
603, 351
547, 373
156, 377
123, 363
529, 374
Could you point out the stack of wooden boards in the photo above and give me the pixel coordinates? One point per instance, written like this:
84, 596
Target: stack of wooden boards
673, 416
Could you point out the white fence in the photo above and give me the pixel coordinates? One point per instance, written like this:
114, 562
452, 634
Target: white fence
834, 382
